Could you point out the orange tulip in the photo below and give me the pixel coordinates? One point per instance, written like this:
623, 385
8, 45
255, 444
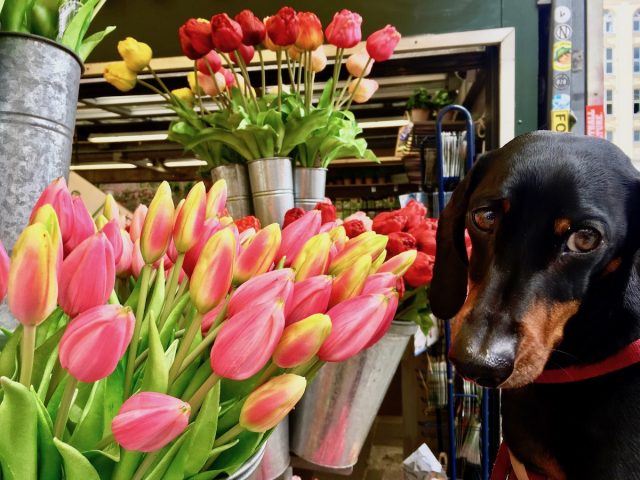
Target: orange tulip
310, 34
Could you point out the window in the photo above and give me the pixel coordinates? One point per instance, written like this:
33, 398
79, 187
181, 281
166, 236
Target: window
636, 136
609, 102
636, 101
636, 59
608, 60
636, 21
609, 135
608, 22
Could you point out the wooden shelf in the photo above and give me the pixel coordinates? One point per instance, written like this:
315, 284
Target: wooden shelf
380, 189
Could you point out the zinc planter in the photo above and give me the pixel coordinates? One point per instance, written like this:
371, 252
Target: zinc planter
238, 190
38, 98
334, 417
249, 471
309, 186
276, 455
272, 188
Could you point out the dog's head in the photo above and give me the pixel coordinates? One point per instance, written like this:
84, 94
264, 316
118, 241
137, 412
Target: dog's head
549, 216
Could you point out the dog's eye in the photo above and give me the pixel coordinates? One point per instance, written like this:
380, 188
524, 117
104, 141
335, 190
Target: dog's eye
584, 240
484, 219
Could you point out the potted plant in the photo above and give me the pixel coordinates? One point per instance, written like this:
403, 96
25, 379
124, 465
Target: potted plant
423, 105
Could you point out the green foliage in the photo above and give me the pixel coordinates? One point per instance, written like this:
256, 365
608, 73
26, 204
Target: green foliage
415, 308
423, 98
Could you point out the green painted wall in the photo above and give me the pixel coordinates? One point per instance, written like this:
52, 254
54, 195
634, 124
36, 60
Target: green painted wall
156, 22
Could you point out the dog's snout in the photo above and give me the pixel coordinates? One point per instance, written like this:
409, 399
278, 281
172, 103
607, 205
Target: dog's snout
488, 370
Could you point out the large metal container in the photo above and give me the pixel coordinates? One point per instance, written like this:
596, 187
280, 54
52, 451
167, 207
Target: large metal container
238, 189
249, 471
272, 188
38, 97
338, 408
276, 455
309, 186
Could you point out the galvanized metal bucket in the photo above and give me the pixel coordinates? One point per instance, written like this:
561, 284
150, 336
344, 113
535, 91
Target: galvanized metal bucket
276, 455
334, 417
249, 471
309, 186
38, 99
238, 190
272, 187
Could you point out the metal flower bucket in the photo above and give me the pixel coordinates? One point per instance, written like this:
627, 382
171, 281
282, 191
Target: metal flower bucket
276, 455
38, 99
249, 471
272, 187
334, 417
309, 186
238, 190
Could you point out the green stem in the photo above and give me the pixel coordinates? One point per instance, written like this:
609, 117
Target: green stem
196, 400
228, 435
170, 294
197, 94
262, 72
146, 464
27, 351
65, 406
185, 344
133, 346
105, 442
355, 89
292, 76
56, 377
154, 89
299, 81
158, 79
200, 348
336, 71
344, 90
279, 62
247, 80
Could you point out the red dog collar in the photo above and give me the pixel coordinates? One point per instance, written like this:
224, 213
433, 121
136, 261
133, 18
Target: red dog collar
626, 357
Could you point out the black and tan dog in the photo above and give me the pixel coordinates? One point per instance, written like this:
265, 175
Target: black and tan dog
553, 283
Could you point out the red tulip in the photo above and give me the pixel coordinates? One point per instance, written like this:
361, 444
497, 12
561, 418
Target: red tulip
292, 215
210, 227
248, 222
137, 221
211, 62
246, 51
253, 30
415, 208
381, 44
268, 287
112, 231
88, 275
158, 225
355, 322
148, 421
123, 267
421, 272
425, 240
310, 35
328, 211
400, 242
308, 297
353, 228
4, 272
283, 27
225, 33
257, 254
189, 221
195, 38
344, 30
296, 234
57, 195
247, 340
388, 222
95, 341
83, 226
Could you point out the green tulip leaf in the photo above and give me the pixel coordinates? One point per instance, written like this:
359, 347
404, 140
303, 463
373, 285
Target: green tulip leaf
132, 301
79, 24
168, 329
48, 327
325, 98
230, 460
104, 461
89, 430
75, 465
197, 379
210, 474
180, 384
299, 128
9, 355
42, 356
156, 372
18, 431
127, 466
92, 41
49, 460
160, 469
154, 306
113, 396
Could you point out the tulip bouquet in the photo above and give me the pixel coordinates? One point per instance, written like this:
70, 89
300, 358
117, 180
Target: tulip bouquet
172, 346
263, 122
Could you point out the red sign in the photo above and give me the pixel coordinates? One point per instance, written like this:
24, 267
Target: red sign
595, 121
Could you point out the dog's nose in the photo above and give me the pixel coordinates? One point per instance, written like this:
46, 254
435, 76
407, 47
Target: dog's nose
486, 370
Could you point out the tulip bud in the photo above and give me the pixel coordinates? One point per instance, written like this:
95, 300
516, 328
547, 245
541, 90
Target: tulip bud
111, 210
195, 38
354, 321
210, 63
381, 44
400, 263
46, 216
380, 283
148, 421
257, 255
213, 272
95, 341
247, 340
216, 198
112, 231
339, 237
310, 35
32, 284
123, 267
136, 55
253, 30
57, 195
268, 287
294, 54
377, 263
246, 52
357, 62
389, 314
190, 219
267, 42
4, 272
296, 234
362, 89
212, 85
137, 262
210, 227
283, 27
309, 297
313, 258
83, 226
185, 95
225, 33
119, 75
210, 317
318, 60
158, 225
421, 271
300, 341
271, 402
365, 243
229, 78
350, 282
344, 31
137, 222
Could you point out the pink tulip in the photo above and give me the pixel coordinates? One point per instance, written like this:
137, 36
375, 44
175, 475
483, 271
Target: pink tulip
123, 267
46, 216
365, 243
190, 220
313, 258
137, 262
327, 227
257, 255
32, 284
111, 210
268, 287
216, 199
209, 318
344, 31
211, 62
247, 340
4, 272
350, 282
300, 341
137, 221
158, 225
95, 341
382, 43
245, 236
380, 282
88, 275
389, 314
400, 263
339, 237
83, 226
148, 421
309, 296
271, 402
246, 52
212, 275
112, 231
57, 195
171, 255
355, 322
296, 234
211, 226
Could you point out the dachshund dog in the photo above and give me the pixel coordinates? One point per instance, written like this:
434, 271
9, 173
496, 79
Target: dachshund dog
553, 283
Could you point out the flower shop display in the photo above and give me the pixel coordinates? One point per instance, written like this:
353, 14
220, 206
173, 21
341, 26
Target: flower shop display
423, 105
226, 116
172, 347
40, 69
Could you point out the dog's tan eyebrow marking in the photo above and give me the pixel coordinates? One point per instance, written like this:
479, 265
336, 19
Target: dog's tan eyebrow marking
612, 266
506, 205
561, 226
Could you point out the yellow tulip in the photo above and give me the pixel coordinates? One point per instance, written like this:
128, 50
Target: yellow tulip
136, 55
119, 75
